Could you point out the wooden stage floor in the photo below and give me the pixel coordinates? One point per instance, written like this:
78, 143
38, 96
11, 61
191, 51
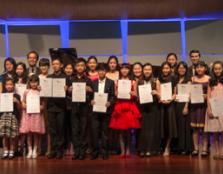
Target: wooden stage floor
134, 165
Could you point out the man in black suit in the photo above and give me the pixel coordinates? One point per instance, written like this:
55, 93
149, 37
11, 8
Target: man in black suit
32, 59
100, 121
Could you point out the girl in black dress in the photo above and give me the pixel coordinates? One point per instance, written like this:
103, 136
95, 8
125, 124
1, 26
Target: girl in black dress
184, 143
167, 108
149, 137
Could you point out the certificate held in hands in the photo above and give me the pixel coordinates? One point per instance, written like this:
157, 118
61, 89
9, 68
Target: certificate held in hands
196, 94
216, 106
78, 92
46, 87
124, 89
32, 104
145, 94
166, 91
100, 102
58, 87
183, 92
6, 102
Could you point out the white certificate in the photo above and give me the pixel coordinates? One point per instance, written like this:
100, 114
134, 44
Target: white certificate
6, 102
166, 91
216, 106
183, 92
58, 87
79, 92
145, 94
20, 90
124, 89
46, 87
100, 102
196, 94
32, 103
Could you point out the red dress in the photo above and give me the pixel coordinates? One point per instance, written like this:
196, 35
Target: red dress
126, 114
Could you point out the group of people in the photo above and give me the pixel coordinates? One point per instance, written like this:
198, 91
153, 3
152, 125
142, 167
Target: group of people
154, 128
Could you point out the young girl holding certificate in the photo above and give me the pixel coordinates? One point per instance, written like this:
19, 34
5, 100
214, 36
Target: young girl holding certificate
214, 123
69, 71
167, 96
9, 122
32, 124
125, 115
21, 77
149, 137
198, 110
184, 143
113, 74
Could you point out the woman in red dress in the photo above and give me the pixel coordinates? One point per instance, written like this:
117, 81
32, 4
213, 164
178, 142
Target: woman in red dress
126, 115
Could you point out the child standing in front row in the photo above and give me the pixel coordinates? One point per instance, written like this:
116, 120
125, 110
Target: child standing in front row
198, 111
32, 124
56, 113
125, 115
44, 66
99, 120
80, 111
167, 108
149, 137
213, 123
9, 122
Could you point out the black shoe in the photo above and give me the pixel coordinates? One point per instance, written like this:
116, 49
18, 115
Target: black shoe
52, 155
81, 157
204, 154
59, 155
75, 157
11, 155
195, 153
105, 156
95, 156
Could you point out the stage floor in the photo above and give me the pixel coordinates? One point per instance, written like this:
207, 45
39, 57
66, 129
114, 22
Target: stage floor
135, 165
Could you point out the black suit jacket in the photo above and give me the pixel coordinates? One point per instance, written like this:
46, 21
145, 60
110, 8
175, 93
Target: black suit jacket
36, 70
109, 88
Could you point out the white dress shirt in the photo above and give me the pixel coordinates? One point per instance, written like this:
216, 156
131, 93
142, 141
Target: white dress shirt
101, 85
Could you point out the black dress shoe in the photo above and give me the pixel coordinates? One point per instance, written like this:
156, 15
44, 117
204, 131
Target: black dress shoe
59, 155
81, 157
75, 157
52, 155
95, 156
105, 156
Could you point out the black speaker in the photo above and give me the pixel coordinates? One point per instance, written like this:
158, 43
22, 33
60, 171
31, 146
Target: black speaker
67, 55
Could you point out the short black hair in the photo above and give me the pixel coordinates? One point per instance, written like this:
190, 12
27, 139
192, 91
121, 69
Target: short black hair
57, 58
102, 67
33, 52
44, 62
81, 60
195, 51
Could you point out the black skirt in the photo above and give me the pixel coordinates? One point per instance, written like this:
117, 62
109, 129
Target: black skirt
149, 138
168, 121
184, 141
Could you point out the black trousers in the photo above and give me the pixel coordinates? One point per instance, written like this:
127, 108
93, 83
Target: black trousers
56, 131
99, 133
79, 123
